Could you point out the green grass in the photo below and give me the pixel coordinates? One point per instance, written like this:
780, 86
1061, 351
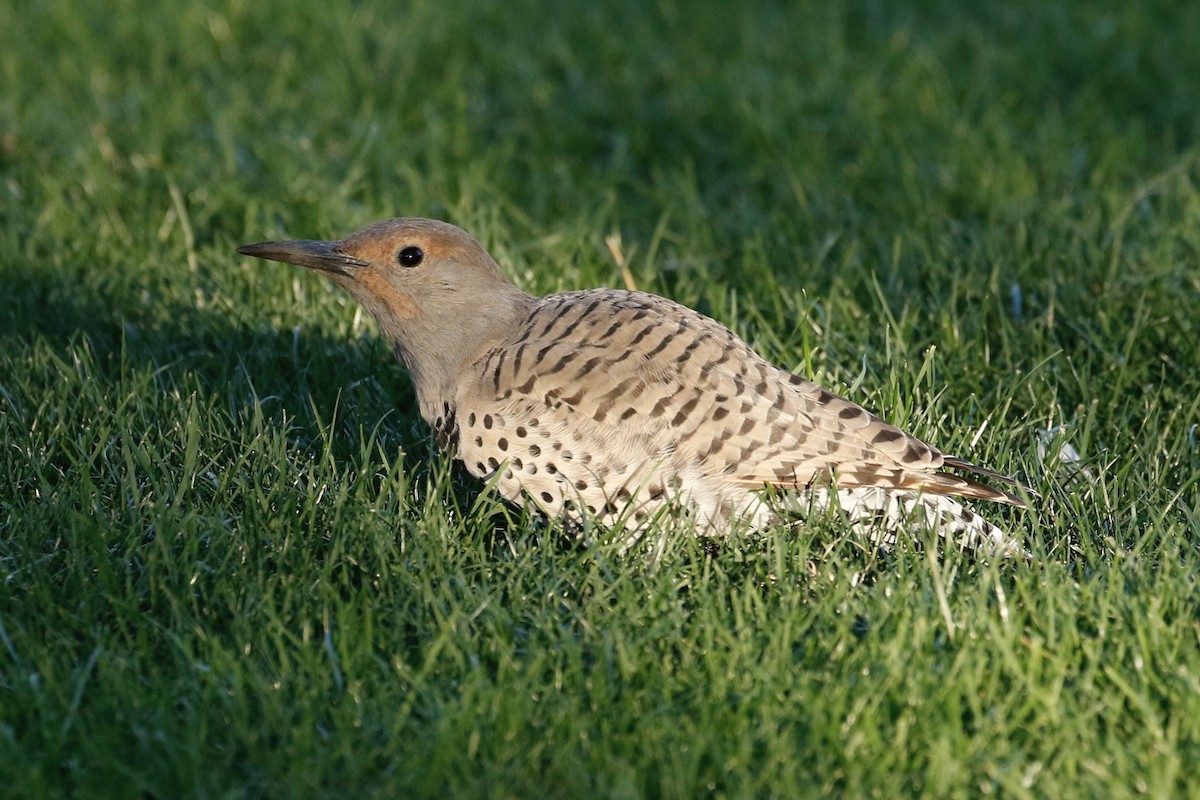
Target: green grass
234, 566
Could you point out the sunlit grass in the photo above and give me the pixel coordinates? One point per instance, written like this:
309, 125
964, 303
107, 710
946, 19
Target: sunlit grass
233, 564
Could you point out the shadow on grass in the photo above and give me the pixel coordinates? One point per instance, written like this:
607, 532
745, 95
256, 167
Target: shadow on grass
311, 375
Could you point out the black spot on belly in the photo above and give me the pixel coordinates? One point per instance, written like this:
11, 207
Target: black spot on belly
445, 430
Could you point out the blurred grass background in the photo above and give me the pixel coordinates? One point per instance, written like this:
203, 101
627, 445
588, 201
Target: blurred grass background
234, 566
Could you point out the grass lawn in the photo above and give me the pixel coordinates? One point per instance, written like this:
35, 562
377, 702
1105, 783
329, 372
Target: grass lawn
233, 565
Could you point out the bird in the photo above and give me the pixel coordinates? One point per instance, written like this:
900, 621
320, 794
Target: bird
623, 407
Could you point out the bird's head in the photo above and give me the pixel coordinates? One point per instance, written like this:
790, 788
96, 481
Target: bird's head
437, 295
401, 269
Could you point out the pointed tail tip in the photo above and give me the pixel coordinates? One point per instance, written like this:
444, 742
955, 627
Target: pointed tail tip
988, 492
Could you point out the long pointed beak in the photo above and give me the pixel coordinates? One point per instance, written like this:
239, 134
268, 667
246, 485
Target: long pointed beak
323, 256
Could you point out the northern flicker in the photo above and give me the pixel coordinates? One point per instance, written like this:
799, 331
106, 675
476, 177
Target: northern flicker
617, 404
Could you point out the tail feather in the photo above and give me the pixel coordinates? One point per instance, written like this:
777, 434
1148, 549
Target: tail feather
929, 482
1010, 498
881, 516
946, 483
933, 483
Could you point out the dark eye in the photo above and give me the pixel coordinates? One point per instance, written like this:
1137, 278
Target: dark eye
410, 256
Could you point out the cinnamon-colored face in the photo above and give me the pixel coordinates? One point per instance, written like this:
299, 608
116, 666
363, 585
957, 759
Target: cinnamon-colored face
402, 265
